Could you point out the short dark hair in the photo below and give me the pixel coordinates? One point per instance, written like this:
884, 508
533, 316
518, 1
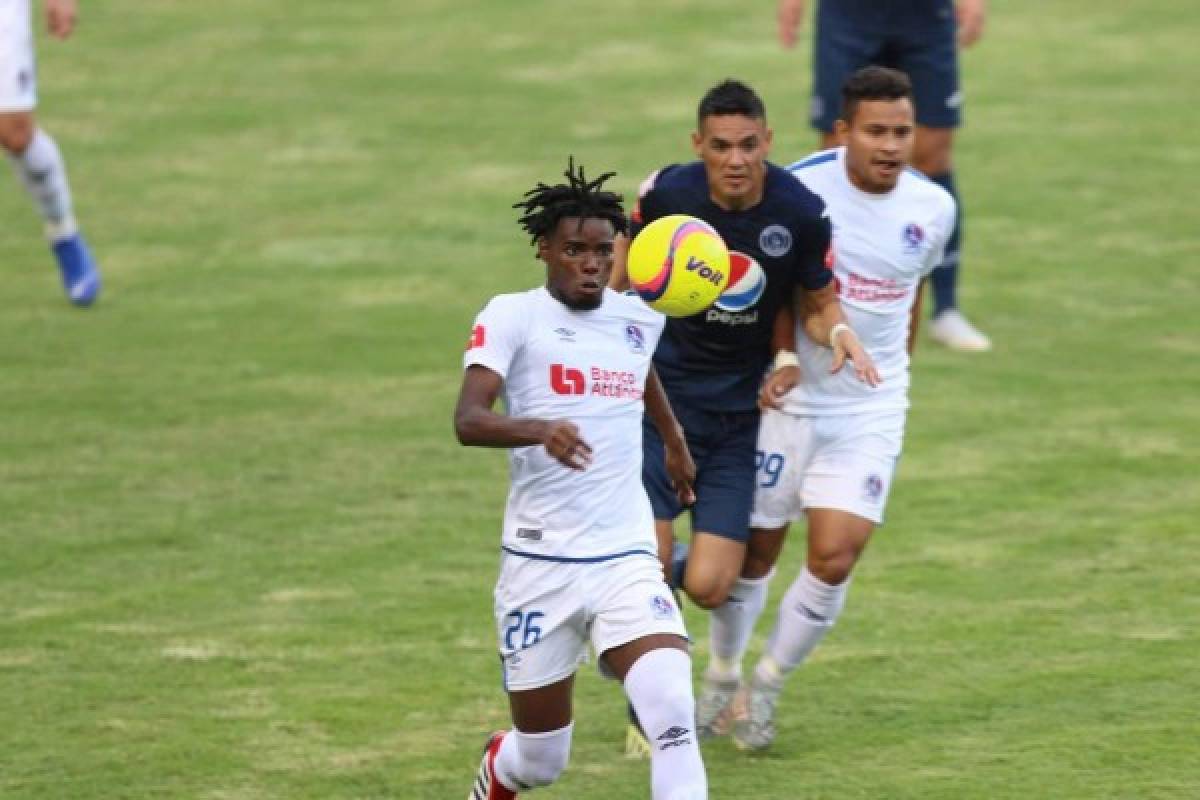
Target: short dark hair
873, 83
730, 96
545, 206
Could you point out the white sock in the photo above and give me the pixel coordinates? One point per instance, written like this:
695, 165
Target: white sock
527, 760
44, 174
731, 625
808, 611
659, 685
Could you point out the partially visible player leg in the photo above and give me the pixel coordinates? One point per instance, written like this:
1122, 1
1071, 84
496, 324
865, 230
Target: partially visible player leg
810, 608
930, 57
535, 751
657, 673
950, 327
783, 447
40, 167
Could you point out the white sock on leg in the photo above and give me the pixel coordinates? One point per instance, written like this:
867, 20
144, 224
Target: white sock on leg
732, 624
659, 685
808, 611
528, 760
44, 174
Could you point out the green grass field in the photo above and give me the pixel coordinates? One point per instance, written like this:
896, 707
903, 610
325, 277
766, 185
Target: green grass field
242, 557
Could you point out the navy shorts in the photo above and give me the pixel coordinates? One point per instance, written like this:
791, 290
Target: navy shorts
722, 445
914, 36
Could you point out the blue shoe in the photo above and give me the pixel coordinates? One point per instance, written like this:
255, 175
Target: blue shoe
81, 278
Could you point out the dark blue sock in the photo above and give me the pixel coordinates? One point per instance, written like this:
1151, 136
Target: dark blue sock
945, 277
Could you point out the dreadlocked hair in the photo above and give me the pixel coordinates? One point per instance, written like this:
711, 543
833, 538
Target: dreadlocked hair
545, 205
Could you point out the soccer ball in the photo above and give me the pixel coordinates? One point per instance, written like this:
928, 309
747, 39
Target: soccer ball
679, 265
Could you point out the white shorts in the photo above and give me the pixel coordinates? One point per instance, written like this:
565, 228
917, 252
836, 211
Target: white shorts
844, 462
547, 611
18, 79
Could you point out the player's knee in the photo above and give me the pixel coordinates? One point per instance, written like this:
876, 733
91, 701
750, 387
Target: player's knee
708, 594
543, 756
833, 568
16, 132
933, 154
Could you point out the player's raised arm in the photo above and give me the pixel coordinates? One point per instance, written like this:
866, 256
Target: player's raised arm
476, 424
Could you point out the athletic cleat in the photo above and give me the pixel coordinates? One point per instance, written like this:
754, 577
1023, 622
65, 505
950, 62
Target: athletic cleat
80, 277
953, 330
487, 787
636, 744
714, 713
754, 718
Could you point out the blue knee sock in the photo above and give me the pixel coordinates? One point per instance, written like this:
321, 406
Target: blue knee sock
945, 276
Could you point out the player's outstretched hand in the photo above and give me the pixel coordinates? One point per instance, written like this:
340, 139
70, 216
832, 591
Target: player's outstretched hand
60, 17
681, 469
562, 441
846, 345
777, 384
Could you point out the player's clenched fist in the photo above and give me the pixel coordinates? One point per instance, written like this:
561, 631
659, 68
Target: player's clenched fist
561, 440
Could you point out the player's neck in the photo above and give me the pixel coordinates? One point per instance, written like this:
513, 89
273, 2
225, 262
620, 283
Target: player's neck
737, 203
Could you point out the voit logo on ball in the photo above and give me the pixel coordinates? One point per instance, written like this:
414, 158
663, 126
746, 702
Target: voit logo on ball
747, 282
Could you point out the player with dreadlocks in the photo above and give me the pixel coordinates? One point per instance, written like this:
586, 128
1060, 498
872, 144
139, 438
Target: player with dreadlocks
579, 559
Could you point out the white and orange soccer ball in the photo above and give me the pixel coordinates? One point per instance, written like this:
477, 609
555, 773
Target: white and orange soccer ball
679, 265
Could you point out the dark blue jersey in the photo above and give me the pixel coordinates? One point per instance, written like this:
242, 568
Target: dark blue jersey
716, 359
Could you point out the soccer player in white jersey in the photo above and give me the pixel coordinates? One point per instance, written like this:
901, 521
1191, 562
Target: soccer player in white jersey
828, 443
35, 156
573, 362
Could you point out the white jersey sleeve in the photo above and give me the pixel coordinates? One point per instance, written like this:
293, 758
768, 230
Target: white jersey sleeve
497, 335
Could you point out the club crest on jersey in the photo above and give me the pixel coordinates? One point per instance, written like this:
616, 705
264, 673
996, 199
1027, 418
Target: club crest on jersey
775, 241
873, 488
747, 282
661, 607
635, 339
913, 237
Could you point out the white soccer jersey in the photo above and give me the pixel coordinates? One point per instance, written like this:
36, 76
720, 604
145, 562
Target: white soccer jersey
589, 368
18, 79
883, 245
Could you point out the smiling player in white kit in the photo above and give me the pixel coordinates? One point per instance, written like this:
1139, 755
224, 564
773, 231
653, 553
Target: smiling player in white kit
572, 360
828, 443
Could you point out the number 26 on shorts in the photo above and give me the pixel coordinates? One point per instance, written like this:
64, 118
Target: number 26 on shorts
769, 467
520, 631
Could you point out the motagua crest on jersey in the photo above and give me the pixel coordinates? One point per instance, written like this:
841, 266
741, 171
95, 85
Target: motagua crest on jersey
775, 241
747, 282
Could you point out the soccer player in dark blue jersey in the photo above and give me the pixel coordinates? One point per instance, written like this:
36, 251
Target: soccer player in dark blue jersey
922, 39
713, 363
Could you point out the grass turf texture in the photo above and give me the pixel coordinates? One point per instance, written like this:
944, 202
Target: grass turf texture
241, 556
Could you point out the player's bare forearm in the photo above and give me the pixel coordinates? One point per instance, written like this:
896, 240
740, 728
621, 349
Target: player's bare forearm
783, 334
914, 318
680, 467
825, 322
619, 279
820, 311
477, 425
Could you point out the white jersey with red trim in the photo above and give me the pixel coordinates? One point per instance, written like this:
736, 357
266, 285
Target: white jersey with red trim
883, 246
590, 368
